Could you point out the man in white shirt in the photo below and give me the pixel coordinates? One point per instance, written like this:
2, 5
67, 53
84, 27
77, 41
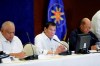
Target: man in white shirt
45, 42
95, 28
9, 43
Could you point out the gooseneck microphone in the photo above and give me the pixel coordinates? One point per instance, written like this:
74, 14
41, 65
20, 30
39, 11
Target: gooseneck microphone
31, 57
28, 37
62, 43
67, 52
30, 42
96, 39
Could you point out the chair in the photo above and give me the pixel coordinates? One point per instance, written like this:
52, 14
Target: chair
30, 49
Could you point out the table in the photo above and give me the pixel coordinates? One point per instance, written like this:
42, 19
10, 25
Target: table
92, 59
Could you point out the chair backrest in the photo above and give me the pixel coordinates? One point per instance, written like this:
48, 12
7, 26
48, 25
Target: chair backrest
65, 44
30, 49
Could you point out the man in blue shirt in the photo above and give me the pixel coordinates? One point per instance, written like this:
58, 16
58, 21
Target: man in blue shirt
84, 28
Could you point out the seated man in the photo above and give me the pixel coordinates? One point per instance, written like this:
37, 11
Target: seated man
46, 42
9, 43
84, 28
95, 22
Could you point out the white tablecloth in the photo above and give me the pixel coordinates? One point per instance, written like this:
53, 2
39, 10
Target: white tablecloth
71, 60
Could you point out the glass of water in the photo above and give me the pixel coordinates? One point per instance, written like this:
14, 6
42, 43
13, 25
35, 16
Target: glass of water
52, 51
98, 45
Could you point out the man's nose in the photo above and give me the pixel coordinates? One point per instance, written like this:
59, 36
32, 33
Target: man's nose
11, 34
53, 32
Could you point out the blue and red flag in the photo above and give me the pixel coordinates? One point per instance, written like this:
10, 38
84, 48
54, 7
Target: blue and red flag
56, 14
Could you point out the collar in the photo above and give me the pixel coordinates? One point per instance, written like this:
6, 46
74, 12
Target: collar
79, 31
3, 38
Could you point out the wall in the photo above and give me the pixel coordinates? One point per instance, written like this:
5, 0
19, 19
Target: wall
74, 10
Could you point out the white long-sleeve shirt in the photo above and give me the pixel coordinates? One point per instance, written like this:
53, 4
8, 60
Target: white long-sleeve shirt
96, 24
44, 44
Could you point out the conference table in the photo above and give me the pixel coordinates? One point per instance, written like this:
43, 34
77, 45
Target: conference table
92, 59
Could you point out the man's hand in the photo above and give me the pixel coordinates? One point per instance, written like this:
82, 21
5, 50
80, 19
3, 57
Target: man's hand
60, 49
93, 47
18, 55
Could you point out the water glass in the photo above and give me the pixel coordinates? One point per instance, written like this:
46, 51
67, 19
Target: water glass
98, 45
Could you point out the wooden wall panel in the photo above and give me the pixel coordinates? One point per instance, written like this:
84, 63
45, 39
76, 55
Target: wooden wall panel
74, 10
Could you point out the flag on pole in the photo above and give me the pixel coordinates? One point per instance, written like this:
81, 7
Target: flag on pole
56, 14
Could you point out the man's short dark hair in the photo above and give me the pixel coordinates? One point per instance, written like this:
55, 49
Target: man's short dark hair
49, 23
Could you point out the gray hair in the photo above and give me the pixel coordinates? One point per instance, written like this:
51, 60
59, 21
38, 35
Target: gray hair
7, 24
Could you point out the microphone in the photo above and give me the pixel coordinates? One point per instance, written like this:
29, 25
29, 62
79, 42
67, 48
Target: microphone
3, 55
28, 37
67, 46
29, 41
67, 52
96, 39
31, 57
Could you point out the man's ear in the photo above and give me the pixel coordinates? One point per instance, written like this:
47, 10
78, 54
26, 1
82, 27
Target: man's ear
45, 29
1, 30
81, 26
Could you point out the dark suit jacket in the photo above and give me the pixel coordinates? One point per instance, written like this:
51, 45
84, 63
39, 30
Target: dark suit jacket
73, 39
